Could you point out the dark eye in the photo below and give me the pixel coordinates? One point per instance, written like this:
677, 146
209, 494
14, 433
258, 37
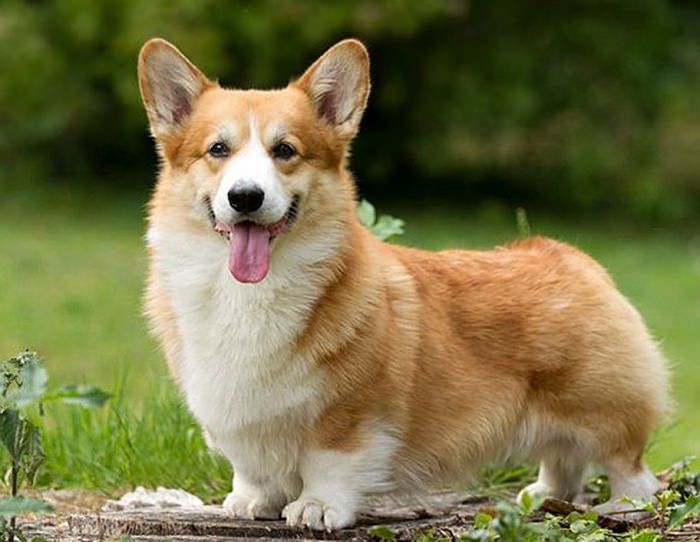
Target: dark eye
283, 151
219, 149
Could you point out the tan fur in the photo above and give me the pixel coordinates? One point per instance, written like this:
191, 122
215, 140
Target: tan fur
469, 355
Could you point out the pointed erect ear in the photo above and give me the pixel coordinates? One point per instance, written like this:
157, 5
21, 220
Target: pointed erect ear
338, 84
169, 85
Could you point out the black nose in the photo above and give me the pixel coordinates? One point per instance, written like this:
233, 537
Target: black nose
246, 199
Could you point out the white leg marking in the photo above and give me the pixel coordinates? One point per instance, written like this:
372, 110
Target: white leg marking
560, 477
336, 482
624, 482
251, 500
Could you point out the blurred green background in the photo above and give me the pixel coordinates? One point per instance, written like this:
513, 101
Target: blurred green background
586, 105
586, 113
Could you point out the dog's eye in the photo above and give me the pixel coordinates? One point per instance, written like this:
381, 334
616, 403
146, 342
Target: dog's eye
219, 149
283, 151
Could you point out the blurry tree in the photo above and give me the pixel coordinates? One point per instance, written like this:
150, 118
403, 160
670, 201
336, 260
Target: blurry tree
584, 104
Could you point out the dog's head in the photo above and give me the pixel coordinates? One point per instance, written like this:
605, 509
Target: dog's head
255, 166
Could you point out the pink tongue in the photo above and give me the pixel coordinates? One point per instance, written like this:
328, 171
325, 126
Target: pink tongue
249, 259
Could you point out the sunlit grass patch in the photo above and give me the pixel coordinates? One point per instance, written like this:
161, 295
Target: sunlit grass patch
120, 447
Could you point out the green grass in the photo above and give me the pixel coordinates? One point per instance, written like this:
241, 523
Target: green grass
71, 280
120, 447
71, 275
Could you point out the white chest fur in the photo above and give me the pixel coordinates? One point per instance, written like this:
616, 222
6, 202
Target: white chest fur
238, 370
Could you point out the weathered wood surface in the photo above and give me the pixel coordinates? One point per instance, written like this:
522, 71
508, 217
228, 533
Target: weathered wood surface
444, 512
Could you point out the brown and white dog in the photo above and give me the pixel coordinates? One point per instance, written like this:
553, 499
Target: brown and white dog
327, 365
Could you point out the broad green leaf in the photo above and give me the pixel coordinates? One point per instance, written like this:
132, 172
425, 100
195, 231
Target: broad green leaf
382, 532
680, 514
84, 396
589, 515
680, 470
32, 451
667, 497
582, 526
366, 213
387, 226
10, 430
22, 440
526, 503
647, 535
24, 380
482, 520
15, 506
383, 227
32, 385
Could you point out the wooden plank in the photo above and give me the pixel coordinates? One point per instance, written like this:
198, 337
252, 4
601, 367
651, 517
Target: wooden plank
442, 510
446, 514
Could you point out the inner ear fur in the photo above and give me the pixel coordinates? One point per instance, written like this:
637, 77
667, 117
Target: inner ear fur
338, 84
169, 84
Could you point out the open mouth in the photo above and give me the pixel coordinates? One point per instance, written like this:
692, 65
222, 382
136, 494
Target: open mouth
275, 229
249, 242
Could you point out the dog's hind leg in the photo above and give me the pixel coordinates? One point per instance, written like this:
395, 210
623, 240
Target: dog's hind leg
560, 475
629, 477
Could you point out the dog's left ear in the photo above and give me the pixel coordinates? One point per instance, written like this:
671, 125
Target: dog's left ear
338, 85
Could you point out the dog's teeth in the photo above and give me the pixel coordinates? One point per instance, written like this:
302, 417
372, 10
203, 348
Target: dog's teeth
224, 234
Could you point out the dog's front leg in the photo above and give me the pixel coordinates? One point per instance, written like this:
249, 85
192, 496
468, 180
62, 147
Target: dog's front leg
335, 482
255, 497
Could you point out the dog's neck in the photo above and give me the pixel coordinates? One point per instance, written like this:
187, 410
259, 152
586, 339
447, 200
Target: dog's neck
349, 295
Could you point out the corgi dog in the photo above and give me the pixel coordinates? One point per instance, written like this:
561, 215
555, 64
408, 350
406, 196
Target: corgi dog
327, 365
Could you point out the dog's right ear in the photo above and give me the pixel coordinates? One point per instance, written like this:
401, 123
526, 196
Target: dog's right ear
169, 85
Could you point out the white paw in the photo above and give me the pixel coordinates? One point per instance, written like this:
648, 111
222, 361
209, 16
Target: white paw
313, 513
245, 506
535, 490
